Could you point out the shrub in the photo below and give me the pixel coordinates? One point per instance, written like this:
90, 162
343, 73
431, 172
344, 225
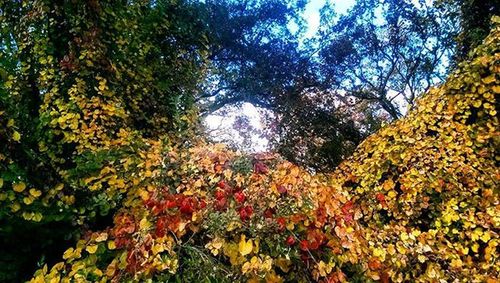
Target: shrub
417, 202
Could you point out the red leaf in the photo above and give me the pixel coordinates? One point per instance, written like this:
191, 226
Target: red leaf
290, 240
380, 197
282, 189
239, 197
281, 223
304, 245
220, 194
260, 168
268, 213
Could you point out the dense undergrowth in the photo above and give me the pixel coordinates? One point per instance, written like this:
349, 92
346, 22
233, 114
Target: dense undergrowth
417, 202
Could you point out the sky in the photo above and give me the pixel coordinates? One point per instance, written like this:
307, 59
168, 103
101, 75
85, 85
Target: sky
311, 13
219, 126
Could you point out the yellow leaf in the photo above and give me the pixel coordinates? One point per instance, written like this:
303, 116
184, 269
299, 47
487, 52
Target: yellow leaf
27, 215
15, 207
19, 187
404, 236
91, 249
380, 253
215, 245
59, 187
35, 193
245, 247
144, 224
111, 245
490, 79
456, 263
102, 237
486, 236
388, 185
255, 246
143, 194
392, 194
1, 183
156, 249
475, 247
391, 250
476, 234
68, 253
324, 269
28, 200
422, 258
16, 136
284, 264
37, 217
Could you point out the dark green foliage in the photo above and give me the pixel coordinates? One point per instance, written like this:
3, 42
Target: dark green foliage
474, 18
25, 246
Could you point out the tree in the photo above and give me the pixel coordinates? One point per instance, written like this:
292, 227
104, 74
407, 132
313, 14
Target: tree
318, 131
257, 59
255, 56
474, 19
364, 54
385, 51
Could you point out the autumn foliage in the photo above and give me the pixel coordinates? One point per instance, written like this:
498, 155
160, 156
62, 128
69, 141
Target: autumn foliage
107, 149
417, 202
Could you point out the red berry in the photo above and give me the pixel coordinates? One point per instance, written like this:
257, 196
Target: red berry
220, 204
313, 245
203, 204
290, 240
380, 197
243, 214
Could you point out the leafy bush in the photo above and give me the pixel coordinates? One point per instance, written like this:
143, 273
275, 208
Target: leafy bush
417, 202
